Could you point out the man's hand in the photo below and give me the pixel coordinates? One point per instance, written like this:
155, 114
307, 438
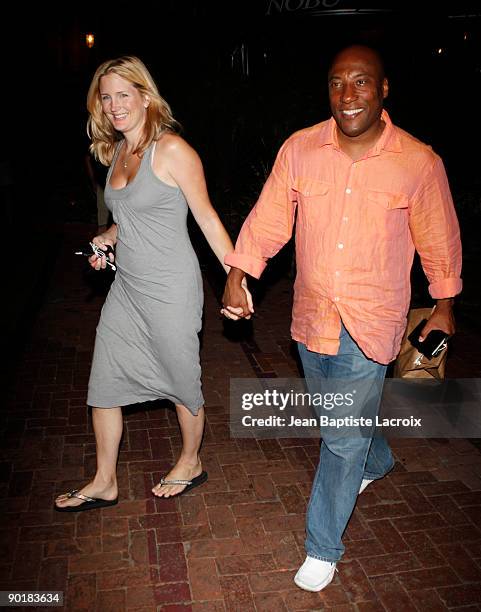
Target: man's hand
442, 318
237, 299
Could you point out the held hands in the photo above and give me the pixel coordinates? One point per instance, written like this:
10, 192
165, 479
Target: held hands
102, 241
237, 299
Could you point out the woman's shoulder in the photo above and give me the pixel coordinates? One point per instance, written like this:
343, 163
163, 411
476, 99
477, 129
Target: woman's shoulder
173, 146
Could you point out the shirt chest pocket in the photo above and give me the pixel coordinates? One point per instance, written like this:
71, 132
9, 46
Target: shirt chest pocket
310, 189
388, 211
388, 200
313, 199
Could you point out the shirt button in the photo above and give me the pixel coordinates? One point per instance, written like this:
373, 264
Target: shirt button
340, 246
336, 299
348, 190
338, 273
345, 219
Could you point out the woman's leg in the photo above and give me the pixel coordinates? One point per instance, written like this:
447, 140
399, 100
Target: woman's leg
107, 424
188, 465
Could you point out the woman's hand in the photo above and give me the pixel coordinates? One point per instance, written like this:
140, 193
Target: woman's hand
103, 241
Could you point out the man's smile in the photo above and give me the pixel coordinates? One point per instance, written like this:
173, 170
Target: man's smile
352, 112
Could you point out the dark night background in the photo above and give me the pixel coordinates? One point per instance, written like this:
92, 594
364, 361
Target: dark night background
240, 77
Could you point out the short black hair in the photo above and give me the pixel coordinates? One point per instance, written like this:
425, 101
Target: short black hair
375, 50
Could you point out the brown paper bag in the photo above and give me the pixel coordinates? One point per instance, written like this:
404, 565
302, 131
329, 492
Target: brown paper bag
410, 363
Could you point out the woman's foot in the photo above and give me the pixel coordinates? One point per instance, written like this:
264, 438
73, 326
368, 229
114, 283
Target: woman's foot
92, 489
182, 470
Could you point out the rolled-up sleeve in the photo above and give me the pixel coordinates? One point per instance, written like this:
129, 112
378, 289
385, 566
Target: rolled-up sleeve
435, 232
269, 225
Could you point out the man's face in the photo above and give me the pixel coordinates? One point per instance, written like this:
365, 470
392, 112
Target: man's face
357, 89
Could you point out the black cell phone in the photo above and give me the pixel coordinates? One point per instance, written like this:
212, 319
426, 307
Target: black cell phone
106, 253
99, 252
435, 342
88, 253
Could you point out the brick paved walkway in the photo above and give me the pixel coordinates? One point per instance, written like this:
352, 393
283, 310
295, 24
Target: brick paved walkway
413, 542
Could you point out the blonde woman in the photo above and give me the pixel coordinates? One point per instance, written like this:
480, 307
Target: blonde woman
146, 345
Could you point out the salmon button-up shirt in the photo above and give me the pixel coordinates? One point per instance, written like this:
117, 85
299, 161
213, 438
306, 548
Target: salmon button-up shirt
358, 225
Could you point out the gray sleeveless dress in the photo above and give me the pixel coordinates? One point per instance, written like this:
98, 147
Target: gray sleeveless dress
147, 345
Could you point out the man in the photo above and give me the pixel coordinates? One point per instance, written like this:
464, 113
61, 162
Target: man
367, 194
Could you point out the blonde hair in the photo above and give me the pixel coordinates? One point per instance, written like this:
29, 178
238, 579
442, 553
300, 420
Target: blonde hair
159, 116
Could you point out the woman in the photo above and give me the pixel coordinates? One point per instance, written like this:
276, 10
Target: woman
146, 344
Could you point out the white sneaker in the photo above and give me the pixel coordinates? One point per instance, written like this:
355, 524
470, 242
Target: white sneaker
365, 482
314, 575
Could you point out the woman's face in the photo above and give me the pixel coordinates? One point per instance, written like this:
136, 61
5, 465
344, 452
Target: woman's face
123, 104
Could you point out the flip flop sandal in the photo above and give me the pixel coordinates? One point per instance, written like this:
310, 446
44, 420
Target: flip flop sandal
90, 503
190, 484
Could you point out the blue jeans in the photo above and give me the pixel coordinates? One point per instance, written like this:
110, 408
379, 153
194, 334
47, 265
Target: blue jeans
346, 456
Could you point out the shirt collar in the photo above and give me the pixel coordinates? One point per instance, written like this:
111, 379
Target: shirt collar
389, 140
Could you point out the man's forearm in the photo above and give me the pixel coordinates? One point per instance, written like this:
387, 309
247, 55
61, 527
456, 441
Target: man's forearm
445, 303
235, 276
